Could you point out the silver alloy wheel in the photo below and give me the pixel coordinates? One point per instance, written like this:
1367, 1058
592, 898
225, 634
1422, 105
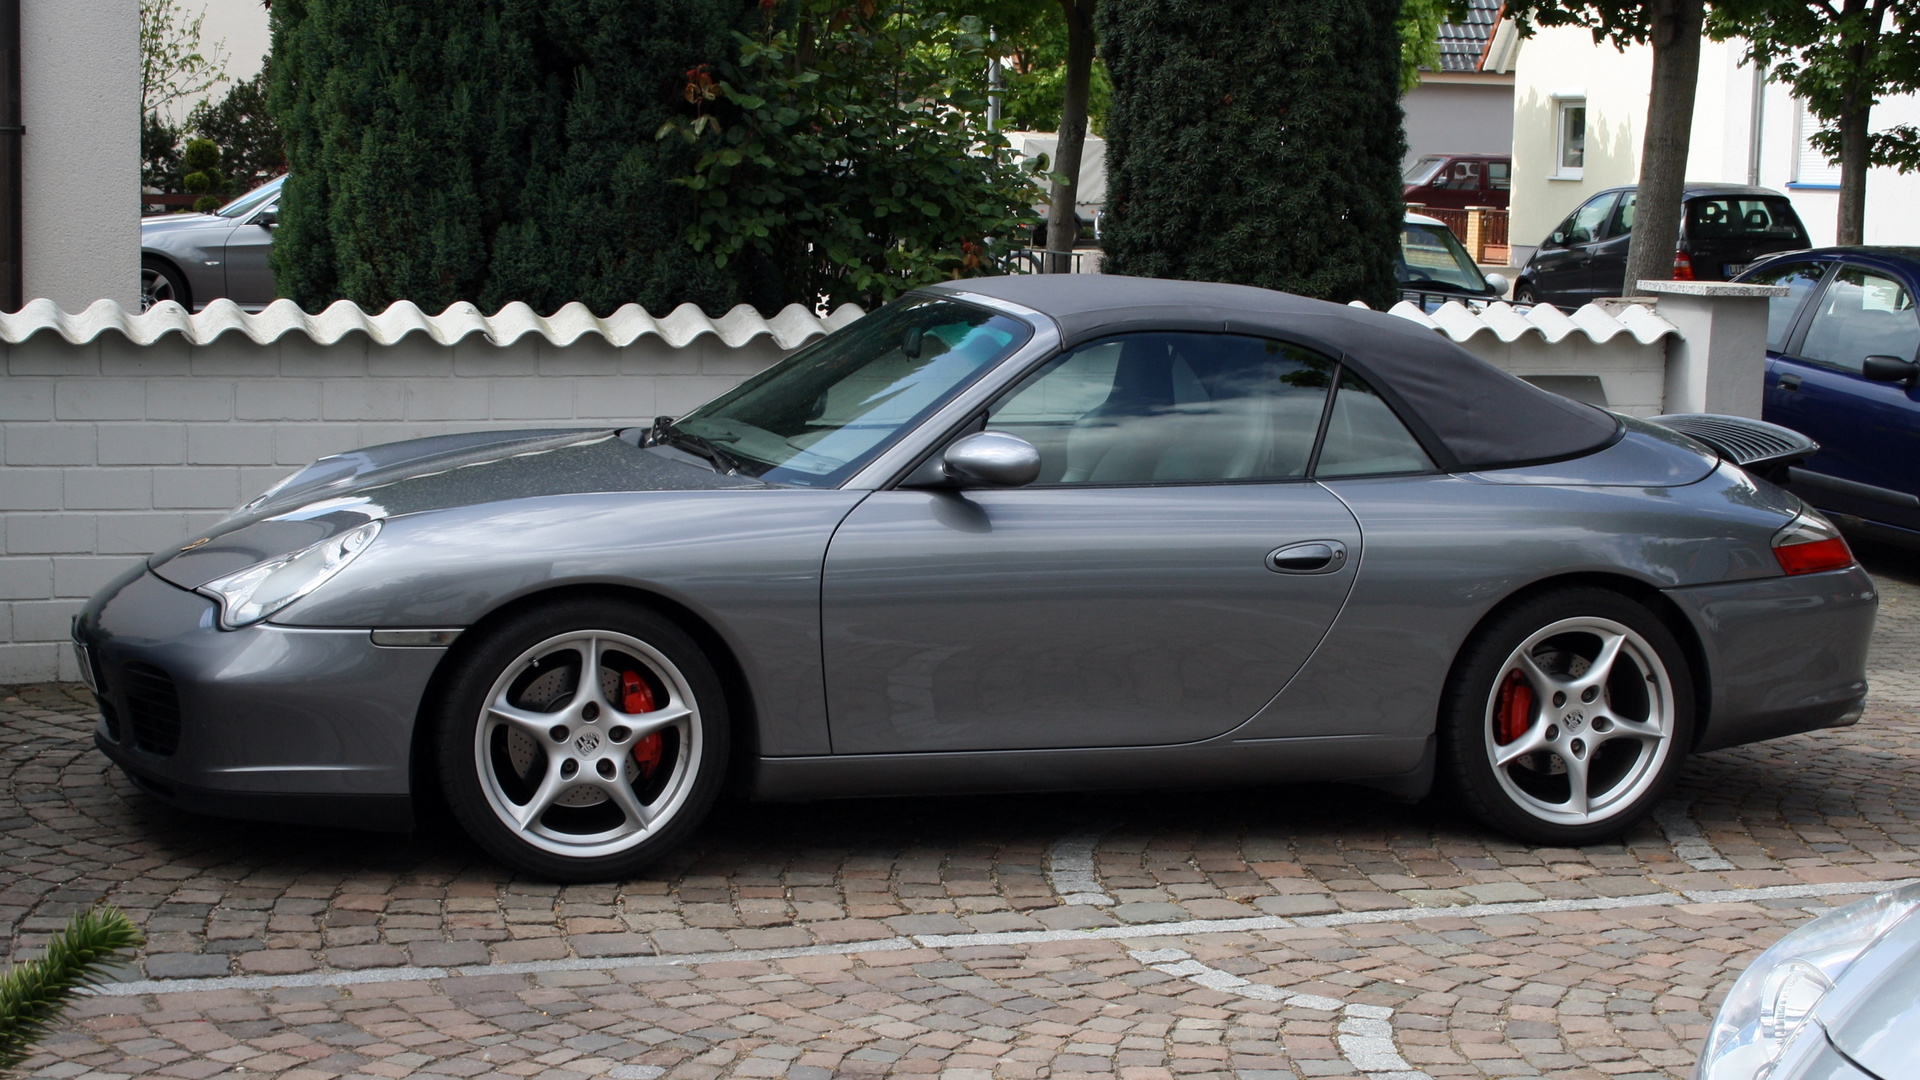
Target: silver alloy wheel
154, 287
556, 758
1598, 727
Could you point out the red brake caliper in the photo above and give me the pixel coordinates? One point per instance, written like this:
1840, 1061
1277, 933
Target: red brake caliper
637, 697
1513, 712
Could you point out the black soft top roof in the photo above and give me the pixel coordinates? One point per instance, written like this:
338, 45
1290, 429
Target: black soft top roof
1468, 413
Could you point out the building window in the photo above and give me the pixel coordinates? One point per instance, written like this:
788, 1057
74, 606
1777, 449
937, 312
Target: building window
1810, 167
1570, 146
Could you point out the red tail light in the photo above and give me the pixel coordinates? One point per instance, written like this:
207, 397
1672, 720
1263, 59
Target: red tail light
1810, 544
1682, 266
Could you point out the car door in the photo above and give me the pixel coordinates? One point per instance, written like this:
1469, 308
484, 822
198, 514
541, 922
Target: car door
1159, 583
1562, 269
1869, 432
1605, 271
249, 275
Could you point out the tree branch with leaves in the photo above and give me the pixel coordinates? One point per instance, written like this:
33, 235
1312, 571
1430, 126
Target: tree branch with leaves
1840, 58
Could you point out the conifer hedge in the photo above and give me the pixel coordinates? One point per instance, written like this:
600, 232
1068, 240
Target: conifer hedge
490, 150
1257, 142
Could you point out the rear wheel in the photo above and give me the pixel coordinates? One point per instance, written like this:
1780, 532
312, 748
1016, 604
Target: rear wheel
581, 742
159, 281
1568, 717
1524, 293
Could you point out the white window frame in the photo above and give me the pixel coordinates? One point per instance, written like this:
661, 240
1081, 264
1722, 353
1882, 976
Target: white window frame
1563, 102
1810, 167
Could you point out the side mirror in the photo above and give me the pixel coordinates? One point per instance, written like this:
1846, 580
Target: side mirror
992, 459
268, 218
1890, 369
1558, 237
1499, 284
1438, 181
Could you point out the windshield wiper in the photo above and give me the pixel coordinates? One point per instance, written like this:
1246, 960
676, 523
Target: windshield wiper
723, 461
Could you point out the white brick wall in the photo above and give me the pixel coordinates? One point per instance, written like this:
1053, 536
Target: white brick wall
114, 450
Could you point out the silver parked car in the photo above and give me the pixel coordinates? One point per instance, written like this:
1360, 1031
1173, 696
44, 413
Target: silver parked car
192, 259
1833, 1000
1020, 533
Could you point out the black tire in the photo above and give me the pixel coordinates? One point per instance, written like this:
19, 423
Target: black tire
1525, 293
159, 280
580, 827
1606, 743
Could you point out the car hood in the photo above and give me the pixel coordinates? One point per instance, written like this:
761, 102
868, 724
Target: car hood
1873, 1015
168, 223
346, 490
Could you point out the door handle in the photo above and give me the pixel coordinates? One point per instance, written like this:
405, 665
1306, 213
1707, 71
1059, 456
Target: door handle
1789, 383
1312, 557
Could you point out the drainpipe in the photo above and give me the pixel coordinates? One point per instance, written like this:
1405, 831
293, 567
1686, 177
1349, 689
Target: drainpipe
1759, 118
12, 218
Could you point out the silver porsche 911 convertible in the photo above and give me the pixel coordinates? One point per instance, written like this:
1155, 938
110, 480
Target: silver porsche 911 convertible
1010, 534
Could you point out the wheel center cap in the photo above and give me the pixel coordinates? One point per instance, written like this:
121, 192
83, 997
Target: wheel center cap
587, 742
1574, 720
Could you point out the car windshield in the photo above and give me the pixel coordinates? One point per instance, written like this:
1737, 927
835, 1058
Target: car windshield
818, 416
1429, 255
1747, 217
245, 204
1423, 170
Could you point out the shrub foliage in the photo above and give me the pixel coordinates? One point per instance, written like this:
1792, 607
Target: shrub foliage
34, 993
1256, 142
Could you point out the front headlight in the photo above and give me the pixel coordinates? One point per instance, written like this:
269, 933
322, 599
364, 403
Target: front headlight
1774, 999
260, 590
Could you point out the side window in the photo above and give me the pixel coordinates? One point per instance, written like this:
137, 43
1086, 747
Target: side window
1465, 176
1862, 315
1364, 438
1583, 225
1799, 278
1170, 408
1499, 175
1621, 223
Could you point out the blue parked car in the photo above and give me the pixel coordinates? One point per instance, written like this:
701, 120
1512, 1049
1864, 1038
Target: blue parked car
1842, 347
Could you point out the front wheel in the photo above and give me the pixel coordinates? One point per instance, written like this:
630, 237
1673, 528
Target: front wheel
1526, 294
1567, 717
582, 741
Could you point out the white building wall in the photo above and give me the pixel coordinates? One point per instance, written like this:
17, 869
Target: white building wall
80, 95
1462, 117
1722, 148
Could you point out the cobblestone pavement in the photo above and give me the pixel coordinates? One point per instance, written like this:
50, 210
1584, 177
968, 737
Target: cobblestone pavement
1269, 934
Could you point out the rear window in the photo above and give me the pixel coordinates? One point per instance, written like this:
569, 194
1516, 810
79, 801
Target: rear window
1744, 218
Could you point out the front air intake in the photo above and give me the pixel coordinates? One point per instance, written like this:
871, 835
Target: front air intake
153, 708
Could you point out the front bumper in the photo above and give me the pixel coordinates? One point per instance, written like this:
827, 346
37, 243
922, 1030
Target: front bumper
1783, 655
268, 722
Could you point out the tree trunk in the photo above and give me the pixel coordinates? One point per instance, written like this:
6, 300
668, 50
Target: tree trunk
1663, 155
1856, 105
1063, 225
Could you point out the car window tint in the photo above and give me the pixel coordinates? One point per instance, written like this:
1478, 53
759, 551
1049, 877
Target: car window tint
1464, 176
1364, 438
1422, 171
1430, 255
1499, 175
1621, 222
1583, 227
1743, 219
1862, 314
1170, 408
1799, 278
817, 416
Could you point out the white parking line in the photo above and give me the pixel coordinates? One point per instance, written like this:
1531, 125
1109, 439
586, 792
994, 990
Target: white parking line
1688, 841
1134, 932
1366, 1031
1071, 871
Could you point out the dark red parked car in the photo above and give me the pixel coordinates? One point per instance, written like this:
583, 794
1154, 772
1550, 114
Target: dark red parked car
1460, 180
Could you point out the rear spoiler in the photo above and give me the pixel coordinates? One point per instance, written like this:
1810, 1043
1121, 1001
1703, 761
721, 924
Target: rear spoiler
1763, 449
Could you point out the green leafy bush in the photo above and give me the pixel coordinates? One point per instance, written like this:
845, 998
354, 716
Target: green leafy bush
1256, 142
203, 177
34, 994
843, 158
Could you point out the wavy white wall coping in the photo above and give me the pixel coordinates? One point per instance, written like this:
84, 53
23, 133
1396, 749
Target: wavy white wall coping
1509, 324
790, 329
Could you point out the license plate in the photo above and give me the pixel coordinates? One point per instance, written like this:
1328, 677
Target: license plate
1733, 270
